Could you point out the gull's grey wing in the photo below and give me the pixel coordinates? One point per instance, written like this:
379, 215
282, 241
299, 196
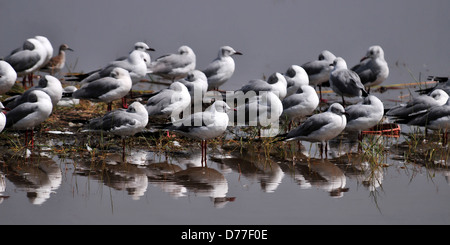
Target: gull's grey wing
311, 125
191, 123
432, 115
347, 80
256, 85
23, 60
211, 69
19, 113
364, 72
97, 88
356, 111
112, 120
315, 67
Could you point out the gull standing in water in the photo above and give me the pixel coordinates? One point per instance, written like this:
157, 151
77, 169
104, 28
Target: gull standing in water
345, 82
365, 114
436, 118
222, 68
321, 127
174, 66
205, 125
319, 70
418, 104
122, 122
373, 68
8, 77
30, 114
57, 63
106, 89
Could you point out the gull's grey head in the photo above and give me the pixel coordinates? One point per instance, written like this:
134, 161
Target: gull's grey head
337, 108
276, 77
439, 94
48, 81
185, 50
295, 70
196, 75
374, 52
221, 106
119, 72
339, 63
142, 46
226, 51
137, 107
327, 55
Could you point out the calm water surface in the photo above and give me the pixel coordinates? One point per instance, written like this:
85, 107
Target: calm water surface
238, 186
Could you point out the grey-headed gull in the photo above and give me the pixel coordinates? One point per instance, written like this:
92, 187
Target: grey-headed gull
136, 63
296, 77
8, 77
301, 104
222, 68
321, 127
48, 83
205, 125
197, 84
365, 114
345, 82
373, 68
436, 118
262, 110
418, 104
276, 83
319, 70
106, 89
27, 59
122, 122
57, 63
30, 114
140, 46
169, 102
174, 66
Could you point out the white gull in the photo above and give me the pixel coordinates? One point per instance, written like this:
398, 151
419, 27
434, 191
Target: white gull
222, 68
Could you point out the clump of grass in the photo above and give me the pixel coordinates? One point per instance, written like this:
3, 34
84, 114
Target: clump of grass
374, 150
428, 152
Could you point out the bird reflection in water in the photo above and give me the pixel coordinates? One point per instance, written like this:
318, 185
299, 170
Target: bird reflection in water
39, 177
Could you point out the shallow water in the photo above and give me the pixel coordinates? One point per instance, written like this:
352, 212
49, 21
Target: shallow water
241, 184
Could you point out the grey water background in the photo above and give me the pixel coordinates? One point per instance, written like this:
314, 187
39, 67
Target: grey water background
272, 35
